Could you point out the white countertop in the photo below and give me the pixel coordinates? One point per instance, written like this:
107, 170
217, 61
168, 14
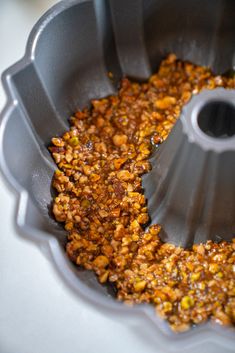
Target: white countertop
38, 314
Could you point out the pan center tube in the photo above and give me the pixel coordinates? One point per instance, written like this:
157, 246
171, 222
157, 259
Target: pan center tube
190, 190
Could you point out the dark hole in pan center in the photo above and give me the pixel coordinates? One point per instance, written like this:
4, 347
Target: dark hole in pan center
217, 119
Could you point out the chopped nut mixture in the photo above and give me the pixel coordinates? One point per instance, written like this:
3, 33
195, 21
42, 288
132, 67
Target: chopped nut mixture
100, 201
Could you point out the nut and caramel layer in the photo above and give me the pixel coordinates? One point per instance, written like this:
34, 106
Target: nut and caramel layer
100, 200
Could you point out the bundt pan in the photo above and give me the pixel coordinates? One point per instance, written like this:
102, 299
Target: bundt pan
68, 55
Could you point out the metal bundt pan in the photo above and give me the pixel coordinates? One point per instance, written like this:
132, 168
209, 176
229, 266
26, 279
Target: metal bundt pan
68, 55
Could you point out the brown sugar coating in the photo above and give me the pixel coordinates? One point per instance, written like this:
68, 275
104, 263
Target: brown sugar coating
100, 200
